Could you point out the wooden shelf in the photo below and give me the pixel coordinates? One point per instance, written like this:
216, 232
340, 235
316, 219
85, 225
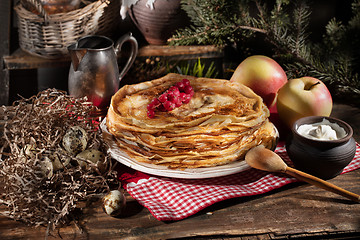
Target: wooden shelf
23, 60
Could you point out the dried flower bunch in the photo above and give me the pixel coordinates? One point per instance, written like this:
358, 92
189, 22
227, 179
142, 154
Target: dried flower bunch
41, 183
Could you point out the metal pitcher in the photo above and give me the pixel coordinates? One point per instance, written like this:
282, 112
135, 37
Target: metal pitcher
94, 70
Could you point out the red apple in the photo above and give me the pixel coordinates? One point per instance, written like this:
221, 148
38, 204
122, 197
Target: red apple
301, 97
263, 75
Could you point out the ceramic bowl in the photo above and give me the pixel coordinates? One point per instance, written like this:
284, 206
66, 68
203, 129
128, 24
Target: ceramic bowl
322, 158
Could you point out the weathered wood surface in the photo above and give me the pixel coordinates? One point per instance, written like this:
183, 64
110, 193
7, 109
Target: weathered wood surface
296, 210
22, 60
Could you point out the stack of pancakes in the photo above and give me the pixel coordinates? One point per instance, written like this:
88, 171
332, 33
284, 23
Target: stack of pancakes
219, 125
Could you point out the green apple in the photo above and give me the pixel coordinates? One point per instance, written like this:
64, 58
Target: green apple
263, 75
302, 97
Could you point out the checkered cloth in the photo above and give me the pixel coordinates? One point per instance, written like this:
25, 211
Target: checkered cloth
171, 199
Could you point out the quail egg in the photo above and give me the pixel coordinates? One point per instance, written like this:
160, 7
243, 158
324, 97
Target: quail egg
75, 140
59, 159
92, 155
46, 167
114, 202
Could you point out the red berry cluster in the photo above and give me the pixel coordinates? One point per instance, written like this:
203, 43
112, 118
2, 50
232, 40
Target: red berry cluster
174, 97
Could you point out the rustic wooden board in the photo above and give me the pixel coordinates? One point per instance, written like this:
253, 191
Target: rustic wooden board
22, 60
292, 211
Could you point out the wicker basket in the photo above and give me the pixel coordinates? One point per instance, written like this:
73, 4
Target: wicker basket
49, 36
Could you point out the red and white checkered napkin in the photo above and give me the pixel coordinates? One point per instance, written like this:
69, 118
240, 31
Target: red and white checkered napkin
175, 199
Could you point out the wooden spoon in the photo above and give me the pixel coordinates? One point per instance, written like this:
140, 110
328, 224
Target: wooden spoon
264, 159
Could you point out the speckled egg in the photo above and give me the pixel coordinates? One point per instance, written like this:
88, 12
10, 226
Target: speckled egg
59, 159
114, 202
75, 140
46, 167
92, 155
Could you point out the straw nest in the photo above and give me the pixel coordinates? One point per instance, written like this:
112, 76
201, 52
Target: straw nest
33, 188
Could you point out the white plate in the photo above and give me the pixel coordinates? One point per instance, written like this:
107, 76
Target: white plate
159, 170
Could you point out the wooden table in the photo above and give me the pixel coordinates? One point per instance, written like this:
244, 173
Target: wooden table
295, 211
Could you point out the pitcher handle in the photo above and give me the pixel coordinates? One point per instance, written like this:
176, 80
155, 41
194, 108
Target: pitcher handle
133, 53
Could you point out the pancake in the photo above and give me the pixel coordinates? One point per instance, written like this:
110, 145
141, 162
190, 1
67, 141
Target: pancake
222, 121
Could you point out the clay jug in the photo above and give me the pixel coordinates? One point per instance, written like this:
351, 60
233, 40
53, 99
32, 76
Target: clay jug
159, 23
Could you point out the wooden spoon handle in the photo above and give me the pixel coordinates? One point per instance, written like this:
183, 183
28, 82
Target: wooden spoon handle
322, 184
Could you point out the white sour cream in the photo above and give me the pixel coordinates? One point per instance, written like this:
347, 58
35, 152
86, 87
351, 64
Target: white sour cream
324, 130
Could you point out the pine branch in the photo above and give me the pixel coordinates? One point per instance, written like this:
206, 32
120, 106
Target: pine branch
219, 22
179, 39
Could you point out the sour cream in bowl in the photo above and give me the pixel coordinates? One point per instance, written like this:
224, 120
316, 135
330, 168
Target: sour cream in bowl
324, 130
321, 146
